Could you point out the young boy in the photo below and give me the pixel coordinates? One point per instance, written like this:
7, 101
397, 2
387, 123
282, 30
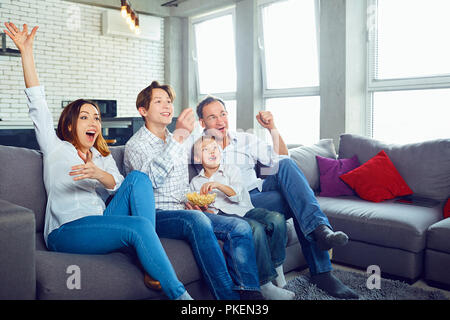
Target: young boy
232, 199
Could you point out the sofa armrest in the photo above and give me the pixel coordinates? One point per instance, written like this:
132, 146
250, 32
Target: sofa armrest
17, 252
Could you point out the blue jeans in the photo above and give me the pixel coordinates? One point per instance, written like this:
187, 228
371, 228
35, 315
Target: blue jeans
201, 231
270, 238
128, 221
288, 192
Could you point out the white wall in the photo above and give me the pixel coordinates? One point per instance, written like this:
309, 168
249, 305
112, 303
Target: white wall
74, 60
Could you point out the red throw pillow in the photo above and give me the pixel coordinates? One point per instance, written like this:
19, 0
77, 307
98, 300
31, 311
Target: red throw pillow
377, 180
447, 209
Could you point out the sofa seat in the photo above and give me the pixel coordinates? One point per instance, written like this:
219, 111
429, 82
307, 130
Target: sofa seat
116, 275
390, 235
439, 236
119, 276
438, 254
388, 224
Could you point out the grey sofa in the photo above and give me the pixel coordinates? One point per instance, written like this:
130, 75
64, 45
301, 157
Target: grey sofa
406, 242
29, 271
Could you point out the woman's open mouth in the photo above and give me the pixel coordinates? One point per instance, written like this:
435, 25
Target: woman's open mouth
91, 135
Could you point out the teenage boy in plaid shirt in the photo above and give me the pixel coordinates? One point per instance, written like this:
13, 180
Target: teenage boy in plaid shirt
160, 154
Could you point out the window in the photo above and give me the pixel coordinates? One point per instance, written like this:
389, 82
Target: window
290, 65
290, 44
412, 38
412, 115
409, 69
232, 115
215, 57
300, 116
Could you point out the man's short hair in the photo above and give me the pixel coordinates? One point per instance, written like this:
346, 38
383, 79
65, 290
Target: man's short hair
145, 96
207, 100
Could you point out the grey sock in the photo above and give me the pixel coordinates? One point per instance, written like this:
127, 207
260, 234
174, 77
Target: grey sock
327, 238
333, 286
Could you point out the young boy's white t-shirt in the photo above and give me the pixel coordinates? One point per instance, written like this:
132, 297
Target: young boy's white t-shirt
230, 176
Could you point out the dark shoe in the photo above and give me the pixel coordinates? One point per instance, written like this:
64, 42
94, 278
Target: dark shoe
333, 286
152, 283
251, 295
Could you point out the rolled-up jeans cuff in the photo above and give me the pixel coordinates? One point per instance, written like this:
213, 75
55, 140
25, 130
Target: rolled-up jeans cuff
246, 288
267, 279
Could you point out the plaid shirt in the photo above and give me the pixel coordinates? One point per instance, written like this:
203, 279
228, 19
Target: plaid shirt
164, 162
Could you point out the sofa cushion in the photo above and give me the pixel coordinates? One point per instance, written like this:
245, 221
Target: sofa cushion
387, 223
305, 157
377, 180
330, 170
22, 181
116, 275
108, 276
439, 236
423, 166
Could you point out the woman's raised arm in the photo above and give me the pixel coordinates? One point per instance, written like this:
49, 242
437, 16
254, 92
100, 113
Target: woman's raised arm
24, 42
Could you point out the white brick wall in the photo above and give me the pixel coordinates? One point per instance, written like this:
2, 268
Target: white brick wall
74, 60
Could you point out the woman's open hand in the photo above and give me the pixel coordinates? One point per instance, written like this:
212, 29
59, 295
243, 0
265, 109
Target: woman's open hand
22, 39
88, 170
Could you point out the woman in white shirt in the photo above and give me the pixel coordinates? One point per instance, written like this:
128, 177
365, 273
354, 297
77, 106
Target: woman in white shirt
80, 173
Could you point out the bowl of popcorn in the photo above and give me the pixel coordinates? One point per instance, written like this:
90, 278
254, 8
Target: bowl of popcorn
201, 200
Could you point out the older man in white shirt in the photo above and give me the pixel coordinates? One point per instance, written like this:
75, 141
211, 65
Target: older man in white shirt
285, 190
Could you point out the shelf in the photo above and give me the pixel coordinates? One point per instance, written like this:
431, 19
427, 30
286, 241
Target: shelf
4, 51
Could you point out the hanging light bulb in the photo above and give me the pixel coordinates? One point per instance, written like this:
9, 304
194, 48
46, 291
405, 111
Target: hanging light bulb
128, 15
123, 8
137, 30
132, 23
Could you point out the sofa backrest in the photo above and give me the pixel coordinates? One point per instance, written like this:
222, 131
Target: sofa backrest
424, 166
117, 153
21, 180
305, 157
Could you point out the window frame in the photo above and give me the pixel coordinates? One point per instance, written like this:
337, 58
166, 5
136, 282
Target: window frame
294, 92
285, 92
396, 84
199, 19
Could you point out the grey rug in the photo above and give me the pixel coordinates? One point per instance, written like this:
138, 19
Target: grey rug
389, 289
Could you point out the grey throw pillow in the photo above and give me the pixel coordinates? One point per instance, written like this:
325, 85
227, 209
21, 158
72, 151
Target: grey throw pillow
425, 166
305, 157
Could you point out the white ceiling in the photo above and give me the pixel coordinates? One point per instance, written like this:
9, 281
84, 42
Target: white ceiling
185, 8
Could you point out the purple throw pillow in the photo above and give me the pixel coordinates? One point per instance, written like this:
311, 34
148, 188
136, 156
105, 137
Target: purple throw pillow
330, 170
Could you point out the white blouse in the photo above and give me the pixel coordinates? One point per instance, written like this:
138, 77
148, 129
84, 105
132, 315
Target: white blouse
67, 200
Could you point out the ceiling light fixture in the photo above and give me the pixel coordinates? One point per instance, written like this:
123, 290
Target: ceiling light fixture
172, 3
130, 16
